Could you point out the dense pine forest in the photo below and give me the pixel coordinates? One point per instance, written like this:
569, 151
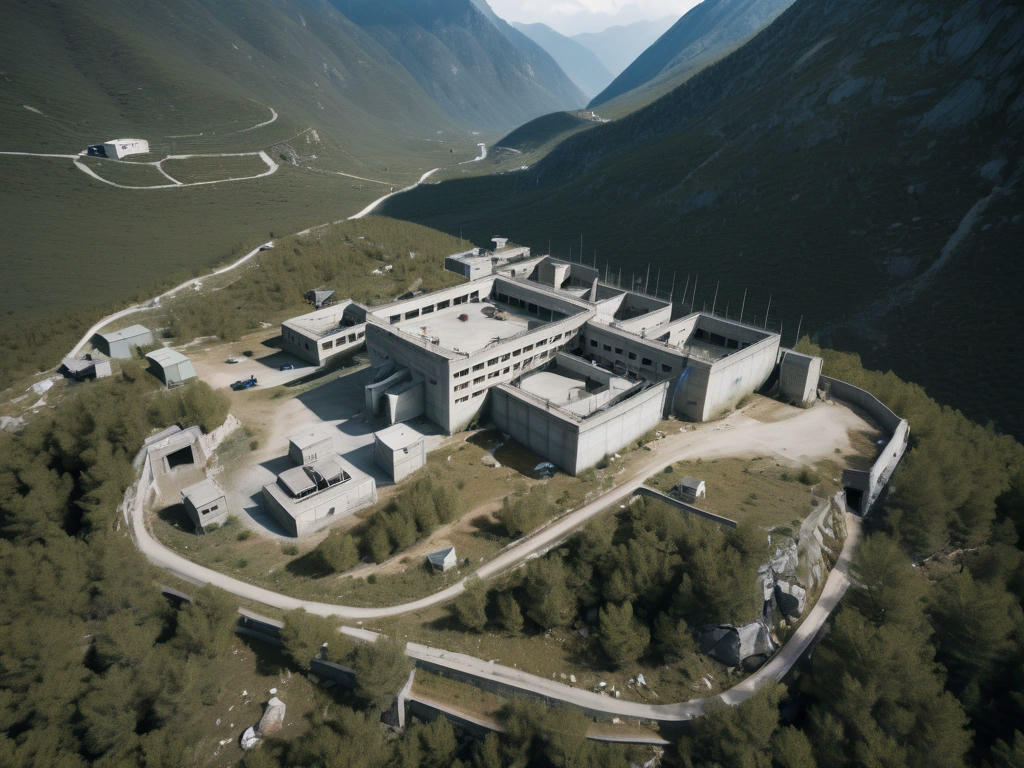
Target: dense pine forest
924, 664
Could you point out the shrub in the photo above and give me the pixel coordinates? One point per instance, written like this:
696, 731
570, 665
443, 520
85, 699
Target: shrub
243, 535
289, 549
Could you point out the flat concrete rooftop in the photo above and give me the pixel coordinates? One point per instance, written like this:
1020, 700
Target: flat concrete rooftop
474, 333
554, 387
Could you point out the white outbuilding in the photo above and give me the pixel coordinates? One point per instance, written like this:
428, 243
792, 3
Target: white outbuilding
118, 148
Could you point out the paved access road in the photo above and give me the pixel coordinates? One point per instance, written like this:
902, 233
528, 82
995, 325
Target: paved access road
806, 436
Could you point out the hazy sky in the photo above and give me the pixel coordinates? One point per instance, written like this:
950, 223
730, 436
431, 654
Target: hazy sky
572, 16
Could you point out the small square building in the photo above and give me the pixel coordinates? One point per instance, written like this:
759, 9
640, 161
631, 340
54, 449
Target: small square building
399, 450
205, 504
171, 367
307, 498
309, 447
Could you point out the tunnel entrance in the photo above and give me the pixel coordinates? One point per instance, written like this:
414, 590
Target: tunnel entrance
854, 498
181, 457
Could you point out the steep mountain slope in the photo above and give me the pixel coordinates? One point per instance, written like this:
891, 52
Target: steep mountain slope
858, 164
163, 69
575, 59
485, 74
704, 34
619, 45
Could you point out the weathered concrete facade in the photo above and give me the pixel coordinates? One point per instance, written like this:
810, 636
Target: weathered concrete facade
326, 333
798, 377
323, 498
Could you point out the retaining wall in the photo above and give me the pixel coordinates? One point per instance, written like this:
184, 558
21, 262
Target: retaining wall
643, 490
871, 482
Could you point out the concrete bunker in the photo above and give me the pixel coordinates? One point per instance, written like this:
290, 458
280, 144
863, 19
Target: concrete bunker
306, 498
175, 447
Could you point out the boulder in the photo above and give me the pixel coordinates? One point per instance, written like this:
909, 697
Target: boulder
273, 717
249, 738
791, 599
731, 645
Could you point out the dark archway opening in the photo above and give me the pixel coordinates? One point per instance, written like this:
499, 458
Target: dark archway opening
181, 457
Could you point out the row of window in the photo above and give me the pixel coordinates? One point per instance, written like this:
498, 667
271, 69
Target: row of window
443, 304
350, 339
645, 362
507, 356
513, 369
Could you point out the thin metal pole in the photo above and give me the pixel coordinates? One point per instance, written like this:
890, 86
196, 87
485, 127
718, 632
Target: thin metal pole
767, 311
693, 298
744, 304
797, 339
647, 280
714, 301
686, 289
657, 282
672, 290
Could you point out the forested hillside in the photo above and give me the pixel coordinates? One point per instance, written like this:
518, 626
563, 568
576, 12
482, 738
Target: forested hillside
858, 164
923, 666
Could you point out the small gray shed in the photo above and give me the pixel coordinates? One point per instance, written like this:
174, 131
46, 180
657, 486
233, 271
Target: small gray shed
309, 447
443, 559
691, 489
119, 344
399, 450
205, 504
171, 367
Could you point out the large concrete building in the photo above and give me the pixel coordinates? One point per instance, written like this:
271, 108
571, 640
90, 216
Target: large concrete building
318, 336
571, 367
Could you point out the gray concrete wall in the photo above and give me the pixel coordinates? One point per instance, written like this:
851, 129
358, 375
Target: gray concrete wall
872, 482
650, 493
738, 375
571, 443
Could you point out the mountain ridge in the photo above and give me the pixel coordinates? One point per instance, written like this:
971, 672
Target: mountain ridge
704, 34
824, 166
577, 61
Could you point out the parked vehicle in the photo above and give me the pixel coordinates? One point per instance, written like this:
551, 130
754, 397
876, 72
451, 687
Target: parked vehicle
244, 383
231, 360
287, 367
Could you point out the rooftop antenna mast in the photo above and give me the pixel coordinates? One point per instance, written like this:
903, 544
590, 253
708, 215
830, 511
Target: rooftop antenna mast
618, 280
672, 290
686, 288
647, 280
657, 282
767, 311
743, 304
797, 339
693, 298
715, 300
